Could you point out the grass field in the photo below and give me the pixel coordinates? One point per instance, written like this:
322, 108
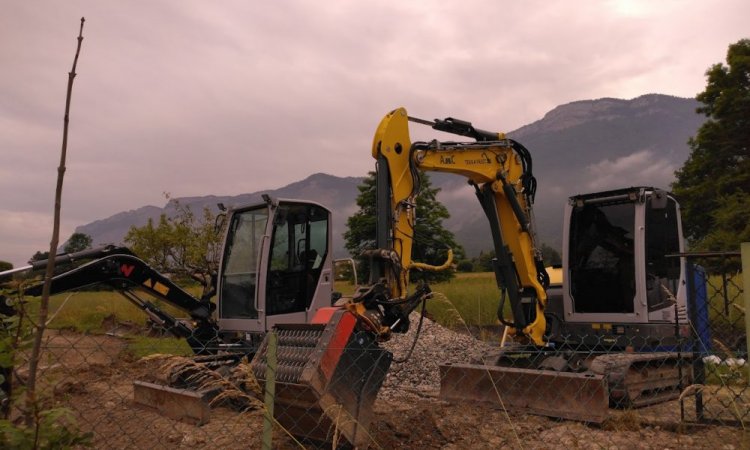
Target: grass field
469, 300
725, 303
87, 311
98, 311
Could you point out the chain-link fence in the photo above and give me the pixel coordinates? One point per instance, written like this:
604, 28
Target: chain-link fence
718, 340
614, 385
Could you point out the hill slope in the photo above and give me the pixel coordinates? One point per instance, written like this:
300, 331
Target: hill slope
579, 147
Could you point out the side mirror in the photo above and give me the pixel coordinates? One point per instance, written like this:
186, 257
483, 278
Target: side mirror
345, 268
335, 296
219, 222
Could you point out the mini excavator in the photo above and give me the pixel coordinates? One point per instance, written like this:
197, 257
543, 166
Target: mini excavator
603, 329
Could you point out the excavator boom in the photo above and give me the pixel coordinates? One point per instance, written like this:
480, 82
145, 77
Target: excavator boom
500, 171
127, 274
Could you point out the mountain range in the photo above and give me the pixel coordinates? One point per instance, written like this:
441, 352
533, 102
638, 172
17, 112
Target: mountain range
579, 147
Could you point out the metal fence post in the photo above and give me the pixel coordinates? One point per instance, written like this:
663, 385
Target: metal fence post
270, 396
699, 375
745, 250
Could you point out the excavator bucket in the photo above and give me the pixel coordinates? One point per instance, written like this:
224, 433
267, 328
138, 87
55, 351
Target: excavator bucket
565, 395
327, 378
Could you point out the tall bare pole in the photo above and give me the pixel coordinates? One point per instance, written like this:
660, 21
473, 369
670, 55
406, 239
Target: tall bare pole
31, 403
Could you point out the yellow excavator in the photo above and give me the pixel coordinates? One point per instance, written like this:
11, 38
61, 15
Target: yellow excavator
606, 330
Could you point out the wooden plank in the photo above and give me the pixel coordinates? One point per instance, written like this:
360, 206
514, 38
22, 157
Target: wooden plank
179, 404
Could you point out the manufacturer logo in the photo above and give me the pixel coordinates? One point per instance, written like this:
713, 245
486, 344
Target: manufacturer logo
126, 269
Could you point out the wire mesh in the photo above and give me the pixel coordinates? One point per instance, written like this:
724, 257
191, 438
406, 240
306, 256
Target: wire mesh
460, 388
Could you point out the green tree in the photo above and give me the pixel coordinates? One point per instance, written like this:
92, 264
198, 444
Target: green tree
483, 262
430, 237
360, 227
182, 244
714, 183
465, 265
77, 242
550, 256
39, 256
5, 265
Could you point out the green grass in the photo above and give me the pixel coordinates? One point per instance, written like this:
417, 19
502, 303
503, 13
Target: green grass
86, 311
726, 317
94, 311
469, 299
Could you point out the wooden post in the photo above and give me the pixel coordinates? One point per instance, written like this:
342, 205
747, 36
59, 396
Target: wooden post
31, 412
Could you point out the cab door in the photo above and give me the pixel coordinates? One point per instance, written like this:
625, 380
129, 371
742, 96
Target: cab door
241, 276
296, 263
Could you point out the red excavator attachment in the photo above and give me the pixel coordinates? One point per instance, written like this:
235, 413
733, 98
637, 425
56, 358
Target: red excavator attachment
327, 378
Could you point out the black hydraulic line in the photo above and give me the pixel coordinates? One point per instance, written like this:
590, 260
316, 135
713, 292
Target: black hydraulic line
523, 220
505, 272
464, 128
416, 334
541, 273
458, 127
510, 194
167, 321
382, 221
124, 272
63, 259
69, 258
528, 181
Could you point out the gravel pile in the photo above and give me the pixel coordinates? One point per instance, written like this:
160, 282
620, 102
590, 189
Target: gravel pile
436, 345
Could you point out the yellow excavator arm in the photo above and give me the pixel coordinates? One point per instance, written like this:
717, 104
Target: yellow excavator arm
500, 171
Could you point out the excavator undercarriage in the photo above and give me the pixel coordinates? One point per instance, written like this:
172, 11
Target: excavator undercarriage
572, 385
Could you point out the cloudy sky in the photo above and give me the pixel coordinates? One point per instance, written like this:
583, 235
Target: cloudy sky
227, 97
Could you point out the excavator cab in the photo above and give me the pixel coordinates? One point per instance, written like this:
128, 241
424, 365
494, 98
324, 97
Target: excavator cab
276, 274
276, 267
619, 273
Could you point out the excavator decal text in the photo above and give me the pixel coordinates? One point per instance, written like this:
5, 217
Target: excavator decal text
483, 160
